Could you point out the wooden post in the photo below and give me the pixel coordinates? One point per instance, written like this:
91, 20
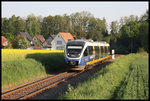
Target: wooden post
113, 54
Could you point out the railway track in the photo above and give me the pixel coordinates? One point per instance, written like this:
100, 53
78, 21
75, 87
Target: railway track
33, 89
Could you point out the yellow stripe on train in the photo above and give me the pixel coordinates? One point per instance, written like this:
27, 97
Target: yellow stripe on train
94, 61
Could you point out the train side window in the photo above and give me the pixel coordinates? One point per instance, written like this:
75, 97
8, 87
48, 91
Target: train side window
106, 51
96, 51
90, 50
102, 51
86, 52
99, 51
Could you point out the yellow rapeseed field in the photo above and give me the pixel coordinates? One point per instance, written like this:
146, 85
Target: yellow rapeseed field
12, 54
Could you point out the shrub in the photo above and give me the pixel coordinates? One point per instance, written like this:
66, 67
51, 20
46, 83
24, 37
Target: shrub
141, 50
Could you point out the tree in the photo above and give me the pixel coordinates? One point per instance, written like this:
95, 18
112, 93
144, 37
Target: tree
32, 25
114, 27
9, 36
13, 25
48, 26
79, 23
19, 25
145, 17
129, 37
4, 26
21, 43
143, 35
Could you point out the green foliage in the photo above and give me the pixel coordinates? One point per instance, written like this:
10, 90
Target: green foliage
23, 43
9, 46
135, 85
38, 44
20, 43
143, 35
129, 37
15, 42
125, 78
9, 36
141, 50
132, 35
15, 71
33, 25
114, 27
13, 25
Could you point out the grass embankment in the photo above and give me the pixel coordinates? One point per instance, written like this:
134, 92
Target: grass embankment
125, 78
19, 65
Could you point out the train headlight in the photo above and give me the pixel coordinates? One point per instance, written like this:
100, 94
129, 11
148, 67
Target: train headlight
68, 53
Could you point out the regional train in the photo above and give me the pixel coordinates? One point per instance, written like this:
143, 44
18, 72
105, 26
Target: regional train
82, 53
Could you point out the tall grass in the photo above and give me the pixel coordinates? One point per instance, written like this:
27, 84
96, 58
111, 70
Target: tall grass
109, 83
19, 65
136, 81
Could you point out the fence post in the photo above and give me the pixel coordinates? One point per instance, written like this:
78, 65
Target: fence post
113, 54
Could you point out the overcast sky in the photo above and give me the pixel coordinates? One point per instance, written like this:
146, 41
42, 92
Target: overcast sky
110, 10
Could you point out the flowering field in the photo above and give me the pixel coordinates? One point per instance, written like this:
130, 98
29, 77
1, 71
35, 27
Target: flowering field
12, 54
19, 64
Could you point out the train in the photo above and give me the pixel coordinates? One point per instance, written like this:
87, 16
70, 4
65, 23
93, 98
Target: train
81, 53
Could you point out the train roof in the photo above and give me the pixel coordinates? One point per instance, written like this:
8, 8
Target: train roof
90, 42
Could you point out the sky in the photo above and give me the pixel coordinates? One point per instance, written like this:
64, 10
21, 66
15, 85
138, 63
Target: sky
111, 11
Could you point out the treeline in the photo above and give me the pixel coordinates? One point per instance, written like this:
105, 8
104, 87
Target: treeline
130, 35
82, 25
125, 35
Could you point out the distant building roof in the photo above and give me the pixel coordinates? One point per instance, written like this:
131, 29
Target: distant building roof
40, 38
4, 41
48, 41
26, 35
53, 36
66, 36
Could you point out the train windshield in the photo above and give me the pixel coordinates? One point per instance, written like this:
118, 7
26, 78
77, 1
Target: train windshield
74, 51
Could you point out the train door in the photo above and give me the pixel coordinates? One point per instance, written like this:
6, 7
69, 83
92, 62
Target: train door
96, 52
91, 55
86, 56
106, 51
99, 51
102, 51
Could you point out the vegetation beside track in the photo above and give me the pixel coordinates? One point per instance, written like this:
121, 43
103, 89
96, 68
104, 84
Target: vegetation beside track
125, 78
19, 65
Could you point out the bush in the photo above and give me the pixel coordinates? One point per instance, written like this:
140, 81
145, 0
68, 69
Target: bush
141, 50
21, 43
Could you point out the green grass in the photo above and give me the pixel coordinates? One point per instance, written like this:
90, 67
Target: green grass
125, 78
136, 82
15, 71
